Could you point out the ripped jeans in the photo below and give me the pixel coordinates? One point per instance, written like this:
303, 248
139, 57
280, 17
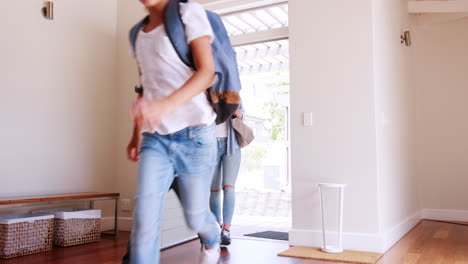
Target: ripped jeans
224, 178
191, 154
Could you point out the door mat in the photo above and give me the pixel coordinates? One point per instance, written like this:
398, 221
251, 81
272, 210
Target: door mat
345, 256
270, 235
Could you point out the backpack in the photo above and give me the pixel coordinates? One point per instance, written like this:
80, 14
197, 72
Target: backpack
224, 94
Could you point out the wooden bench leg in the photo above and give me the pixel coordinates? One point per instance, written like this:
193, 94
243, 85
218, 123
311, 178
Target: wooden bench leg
116, 216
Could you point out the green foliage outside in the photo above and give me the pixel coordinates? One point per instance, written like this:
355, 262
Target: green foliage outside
276, 120
276, 112
277, 124
252, 154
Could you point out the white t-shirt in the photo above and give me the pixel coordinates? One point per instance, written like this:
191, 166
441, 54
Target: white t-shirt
222, 130
163, 72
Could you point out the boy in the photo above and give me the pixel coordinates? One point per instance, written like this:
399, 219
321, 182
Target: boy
177, 122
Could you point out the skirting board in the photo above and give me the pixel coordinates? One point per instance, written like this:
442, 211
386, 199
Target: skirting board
445, 215
370, 242
107, 223
125, 223
392, 236
351, 241
373, 242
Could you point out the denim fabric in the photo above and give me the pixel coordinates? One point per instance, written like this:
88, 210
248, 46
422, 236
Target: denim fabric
226, 170
232, 145
190, 154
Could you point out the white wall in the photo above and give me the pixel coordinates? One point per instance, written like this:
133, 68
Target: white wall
440, 81
350, 70
57, 97
332, 76
397, 188
173, 224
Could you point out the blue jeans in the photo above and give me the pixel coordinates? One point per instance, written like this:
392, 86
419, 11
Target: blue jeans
225, 175
191, 155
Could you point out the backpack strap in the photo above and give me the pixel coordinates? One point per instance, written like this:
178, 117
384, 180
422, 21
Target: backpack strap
175, 30
134, 32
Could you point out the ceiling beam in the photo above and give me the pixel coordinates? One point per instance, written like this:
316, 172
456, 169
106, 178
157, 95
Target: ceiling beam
259, 37
223, 7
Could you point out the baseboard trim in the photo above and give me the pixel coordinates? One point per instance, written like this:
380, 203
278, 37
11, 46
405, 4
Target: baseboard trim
445, 215
125, 223
179, 243
370, 242
392, 236
352, 241
107, 223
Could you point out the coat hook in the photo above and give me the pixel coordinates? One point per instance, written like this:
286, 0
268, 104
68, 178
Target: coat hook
406, 38
48, 10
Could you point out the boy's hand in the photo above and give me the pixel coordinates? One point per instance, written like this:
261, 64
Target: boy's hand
133, 148
150, 113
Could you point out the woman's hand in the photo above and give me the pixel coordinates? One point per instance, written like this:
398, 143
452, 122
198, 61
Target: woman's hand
238, 113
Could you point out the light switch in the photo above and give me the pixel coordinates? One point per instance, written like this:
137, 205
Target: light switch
307, 118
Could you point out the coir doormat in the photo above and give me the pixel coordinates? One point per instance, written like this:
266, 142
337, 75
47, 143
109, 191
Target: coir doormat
345, 256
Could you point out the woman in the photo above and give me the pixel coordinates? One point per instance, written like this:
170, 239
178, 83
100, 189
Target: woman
224, 177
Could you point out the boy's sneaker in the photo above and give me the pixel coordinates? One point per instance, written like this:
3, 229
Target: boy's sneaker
210, 255
225, 237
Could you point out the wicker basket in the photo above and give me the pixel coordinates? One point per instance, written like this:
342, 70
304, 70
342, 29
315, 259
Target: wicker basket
76, 226
24, 234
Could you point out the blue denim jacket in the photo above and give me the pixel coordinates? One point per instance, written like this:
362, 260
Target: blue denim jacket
232, 144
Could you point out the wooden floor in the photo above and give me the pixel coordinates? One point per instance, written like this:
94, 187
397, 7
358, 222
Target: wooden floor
429, 242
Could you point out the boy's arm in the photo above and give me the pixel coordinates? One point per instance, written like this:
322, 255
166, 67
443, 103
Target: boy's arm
203, 76
133, 146
152, 112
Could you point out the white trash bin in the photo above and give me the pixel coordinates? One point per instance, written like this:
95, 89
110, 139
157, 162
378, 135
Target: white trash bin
332, 248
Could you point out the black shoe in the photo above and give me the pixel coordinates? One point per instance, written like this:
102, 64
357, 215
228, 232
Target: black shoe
126, 258
225, 238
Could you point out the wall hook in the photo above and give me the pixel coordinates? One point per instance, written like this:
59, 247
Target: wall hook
406, 38
48, 10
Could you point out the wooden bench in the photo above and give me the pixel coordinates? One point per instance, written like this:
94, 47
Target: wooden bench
12, 202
